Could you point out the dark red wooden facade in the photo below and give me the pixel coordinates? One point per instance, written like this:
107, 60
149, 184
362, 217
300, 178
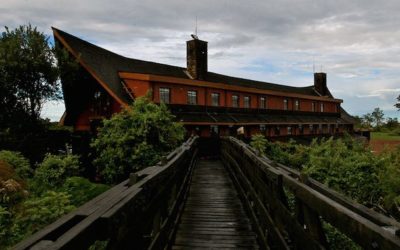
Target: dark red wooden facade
207, 103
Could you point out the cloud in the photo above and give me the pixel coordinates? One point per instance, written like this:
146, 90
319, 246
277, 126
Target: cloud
355, 42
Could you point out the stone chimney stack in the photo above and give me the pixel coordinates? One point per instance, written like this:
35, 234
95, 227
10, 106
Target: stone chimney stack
320, 83
196, 58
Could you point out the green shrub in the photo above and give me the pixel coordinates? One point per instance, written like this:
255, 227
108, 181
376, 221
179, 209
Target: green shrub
5, 226
135, 138
259, 143
54, 169
82, 190
18, 162
37, 212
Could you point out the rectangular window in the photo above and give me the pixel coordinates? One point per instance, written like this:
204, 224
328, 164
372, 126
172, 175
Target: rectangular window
297, 105
214, 130
263, 103
301, 129
215, 99
322, 107
246, 101
311, 129
289, 130
285, 104
320, 128
313, 106
235, 101
262, 127
277, 130
192, 97
165, 95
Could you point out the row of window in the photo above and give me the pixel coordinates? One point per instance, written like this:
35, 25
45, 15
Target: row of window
289, 131
165, 97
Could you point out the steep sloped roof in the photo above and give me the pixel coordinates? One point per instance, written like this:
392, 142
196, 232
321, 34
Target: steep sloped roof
106, 65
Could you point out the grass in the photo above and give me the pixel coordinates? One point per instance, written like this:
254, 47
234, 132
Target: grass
384, 136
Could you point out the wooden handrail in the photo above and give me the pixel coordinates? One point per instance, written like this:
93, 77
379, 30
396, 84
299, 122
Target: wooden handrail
141, 213
265, 184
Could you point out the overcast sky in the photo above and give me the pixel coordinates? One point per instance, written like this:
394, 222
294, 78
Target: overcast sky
357, 43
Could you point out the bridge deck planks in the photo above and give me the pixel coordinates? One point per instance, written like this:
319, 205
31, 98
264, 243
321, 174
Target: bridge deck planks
213, 216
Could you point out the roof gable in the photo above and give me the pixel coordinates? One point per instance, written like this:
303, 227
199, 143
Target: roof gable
104, 65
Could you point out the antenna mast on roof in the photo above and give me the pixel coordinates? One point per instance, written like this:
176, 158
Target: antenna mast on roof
313, 64
195, 31
194, 36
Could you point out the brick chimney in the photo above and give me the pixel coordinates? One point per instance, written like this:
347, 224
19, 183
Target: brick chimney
196, 58
320, 83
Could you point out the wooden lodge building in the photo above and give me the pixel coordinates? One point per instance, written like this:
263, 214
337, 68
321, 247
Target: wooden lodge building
206, 103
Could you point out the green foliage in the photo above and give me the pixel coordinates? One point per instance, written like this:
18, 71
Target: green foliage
18, 162
82, 190
6, 234
377, 116
259, 142
28, 75
37, 212
337, 240
54, 169
352, 171
99, 245
390, 181
397, 105
134, 138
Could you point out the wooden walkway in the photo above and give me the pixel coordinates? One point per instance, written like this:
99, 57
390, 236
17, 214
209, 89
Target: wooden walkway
213, 216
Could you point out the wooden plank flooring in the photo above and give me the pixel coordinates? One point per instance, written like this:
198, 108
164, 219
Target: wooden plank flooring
213, 216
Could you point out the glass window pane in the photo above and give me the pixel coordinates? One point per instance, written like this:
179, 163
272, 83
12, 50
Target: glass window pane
192, 97
164, 95
285, 104
235, 101
215, 99
246, 100
263, 103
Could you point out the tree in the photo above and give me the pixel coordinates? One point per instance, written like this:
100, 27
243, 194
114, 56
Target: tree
28, 73
397, 105
367, 120
377, 116
135, 138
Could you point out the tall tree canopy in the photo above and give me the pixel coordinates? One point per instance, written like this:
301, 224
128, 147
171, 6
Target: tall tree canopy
397, 105
28, 74
135, 138
378, 116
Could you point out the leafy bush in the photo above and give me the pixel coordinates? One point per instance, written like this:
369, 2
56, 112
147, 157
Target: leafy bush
135, 138
390, 181
82, 190
54, 169
18, 162
37, 212
259, 143
5, 222
346, 168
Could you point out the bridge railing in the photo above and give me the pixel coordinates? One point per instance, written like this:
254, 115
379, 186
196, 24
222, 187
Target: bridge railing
138, 213
289, 209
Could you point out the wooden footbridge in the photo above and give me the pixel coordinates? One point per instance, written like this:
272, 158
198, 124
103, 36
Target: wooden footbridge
233, 200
